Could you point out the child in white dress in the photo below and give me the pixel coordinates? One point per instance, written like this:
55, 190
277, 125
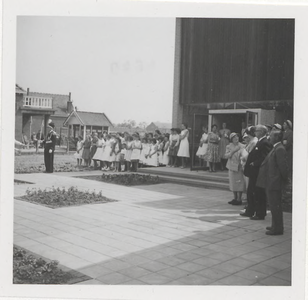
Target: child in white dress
108, 155
202, 145
136, 151
99, 150
117, 151
160, 147
128, 152
152, 157
166, 151
79, 150
184, 146
142, 153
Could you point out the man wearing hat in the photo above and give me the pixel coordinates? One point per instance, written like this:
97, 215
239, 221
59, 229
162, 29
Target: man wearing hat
50, 143
257, 198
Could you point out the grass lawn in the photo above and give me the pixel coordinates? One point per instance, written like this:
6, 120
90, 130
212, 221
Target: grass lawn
35, 163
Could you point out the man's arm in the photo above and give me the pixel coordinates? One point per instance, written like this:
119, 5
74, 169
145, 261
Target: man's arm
281, 159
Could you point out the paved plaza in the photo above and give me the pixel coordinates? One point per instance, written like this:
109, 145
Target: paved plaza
164, 234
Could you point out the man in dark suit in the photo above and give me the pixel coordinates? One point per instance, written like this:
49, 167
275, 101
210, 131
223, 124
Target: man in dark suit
256, 198
273, 175
50, 143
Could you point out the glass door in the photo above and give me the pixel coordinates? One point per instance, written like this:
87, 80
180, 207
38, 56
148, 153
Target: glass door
200, 120
251, 118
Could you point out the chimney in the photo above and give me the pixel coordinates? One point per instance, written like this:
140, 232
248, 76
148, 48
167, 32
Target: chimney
70, 106
28, 91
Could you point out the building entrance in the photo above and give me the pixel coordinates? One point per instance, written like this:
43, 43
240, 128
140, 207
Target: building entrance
234, 118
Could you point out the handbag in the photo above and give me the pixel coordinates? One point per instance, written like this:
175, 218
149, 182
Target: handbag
232, 166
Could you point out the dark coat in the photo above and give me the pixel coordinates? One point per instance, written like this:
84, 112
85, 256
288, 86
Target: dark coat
50, 141
273, 172
257, 156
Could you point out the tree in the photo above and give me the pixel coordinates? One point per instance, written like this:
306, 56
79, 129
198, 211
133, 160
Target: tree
143, 125
128, 124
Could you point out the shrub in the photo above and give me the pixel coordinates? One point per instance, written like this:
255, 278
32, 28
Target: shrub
28, 269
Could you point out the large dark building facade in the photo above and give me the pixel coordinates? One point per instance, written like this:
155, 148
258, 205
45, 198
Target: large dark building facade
233, 71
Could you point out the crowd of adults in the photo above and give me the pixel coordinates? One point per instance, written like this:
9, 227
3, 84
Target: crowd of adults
261, 166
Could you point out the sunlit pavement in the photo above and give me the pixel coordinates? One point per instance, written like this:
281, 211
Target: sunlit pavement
165, 234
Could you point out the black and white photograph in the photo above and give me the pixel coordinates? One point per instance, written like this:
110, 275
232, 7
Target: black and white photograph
154, 151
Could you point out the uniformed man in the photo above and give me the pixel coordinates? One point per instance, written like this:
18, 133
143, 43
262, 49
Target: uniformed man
50, 143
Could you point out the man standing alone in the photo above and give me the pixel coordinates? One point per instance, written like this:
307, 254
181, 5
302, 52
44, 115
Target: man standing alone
50, 143
273, 176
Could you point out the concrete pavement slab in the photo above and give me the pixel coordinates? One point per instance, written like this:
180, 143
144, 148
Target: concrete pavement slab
161, 234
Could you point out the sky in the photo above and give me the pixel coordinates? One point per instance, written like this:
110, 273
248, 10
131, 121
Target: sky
120, 66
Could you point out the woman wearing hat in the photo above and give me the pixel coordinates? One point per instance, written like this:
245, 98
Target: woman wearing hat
224, 134
287, 141
212, 154
234, 153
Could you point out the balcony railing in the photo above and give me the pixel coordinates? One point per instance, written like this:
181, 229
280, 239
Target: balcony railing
34, 101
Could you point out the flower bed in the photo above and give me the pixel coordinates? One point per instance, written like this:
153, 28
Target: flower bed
125, 179
28, 269
56, 197
64, 167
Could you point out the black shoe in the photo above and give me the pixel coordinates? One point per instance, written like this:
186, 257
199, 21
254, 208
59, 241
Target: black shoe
270, 232
232, 201
245, 215
237, 203
268, 228
256, 218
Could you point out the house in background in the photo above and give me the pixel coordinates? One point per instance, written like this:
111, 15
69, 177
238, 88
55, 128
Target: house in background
33, 110
129, 130
162, 127
81, 122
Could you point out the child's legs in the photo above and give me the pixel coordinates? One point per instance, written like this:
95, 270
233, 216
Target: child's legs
183, 161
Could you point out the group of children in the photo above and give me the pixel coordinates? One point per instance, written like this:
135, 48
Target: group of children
124, 152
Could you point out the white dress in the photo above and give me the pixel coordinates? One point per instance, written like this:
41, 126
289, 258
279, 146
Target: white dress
136, 151
153, 160
165, 155
128, 152
184, 145
144, 152
202, 150
107, 150
79, 147
99, 151
118, 153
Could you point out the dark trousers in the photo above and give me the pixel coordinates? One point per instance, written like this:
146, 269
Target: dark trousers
260, 202
48, 159
251, 207
256, 199
275, 202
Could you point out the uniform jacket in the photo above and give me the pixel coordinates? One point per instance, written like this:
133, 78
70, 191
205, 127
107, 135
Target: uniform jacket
273, 172
50, 141
257, 156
